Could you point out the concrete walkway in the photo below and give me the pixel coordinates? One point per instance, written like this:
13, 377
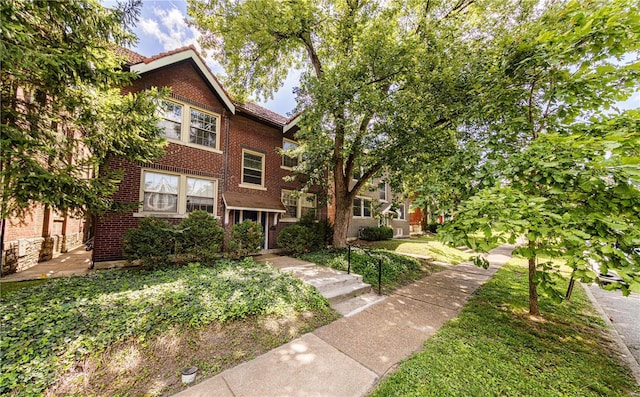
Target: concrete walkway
349, 356
74, 262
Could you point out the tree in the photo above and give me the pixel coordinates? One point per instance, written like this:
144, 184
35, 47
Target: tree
381, 81
62, 110
566, 167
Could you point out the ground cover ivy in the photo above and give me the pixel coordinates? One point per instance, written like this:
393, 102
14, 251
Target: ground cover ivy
47, 329
395, 268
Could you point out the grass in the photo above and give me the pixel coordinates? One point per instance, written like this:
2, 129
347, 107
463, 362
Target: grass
426, 246
397, 269
9, 287
494, 348
130, 332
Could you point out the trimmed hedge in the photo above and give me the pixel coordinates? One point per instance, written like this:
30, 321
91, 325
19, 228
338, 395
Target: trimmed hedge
298, 239
376, 233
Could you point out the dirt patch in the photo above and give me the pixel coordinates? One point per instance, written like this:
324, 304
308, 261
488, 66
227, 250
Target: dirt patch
152, 367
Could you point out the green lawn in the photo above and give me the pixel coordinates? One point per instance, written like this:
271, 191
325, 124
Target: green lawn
396, 269
118, 332
427, 246
494, 348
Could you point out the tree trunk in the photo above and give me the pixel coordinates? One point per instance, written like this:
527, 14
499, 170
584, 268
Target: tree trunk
341, 223
343, 206
534, 310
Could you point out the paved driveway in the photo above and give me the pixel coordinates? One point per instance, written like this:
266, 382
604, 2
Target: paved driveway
624, 313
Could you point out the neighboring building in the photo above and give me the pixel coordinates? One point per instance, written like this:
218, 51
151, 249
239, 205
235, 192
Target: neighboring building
379, 206
43, 235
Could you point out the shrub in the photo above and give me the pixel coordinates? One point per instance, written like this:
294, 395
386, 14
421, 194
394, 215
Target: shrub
151, 243
298, 239
433, 227
246, 238
376, 233
200, 235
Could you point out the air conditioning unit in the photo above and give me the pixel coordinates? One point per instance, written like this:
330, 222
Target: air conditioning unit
399, 231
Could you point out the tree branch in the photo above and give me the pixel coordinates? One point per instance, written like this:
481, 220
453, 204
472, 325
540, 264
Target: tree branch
313, 56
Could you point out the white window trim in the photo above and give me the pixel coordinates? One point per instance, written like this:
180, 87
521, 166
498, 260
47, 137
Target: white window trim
299, 201
264, 177
362, 216
386, 192
284, 167
186, 125
182, 195
404, 218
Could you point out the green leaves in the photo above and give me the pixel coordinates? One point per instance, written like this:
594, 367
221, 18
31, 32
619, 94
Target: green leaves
47, 329
62, 110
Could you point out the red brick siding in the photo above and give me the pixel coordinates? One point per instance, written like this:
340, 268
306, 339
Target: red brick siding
243, 132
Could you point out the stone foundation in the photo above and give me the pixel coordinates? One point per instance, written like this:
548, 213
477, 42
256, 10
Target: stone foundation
25, 253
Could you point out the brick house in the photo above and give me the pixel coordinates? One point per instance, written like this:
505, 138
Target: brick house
223, 157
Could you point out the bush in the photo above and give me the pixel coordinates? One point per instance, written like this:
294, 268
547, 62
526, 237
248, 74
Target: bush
200, 235
246, 238
151, 243
433, 227
376, 233
298, 239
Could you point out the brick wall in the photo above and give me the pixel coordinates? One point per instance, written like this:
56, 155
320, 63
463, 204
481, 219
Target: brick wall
244, 131
27, 243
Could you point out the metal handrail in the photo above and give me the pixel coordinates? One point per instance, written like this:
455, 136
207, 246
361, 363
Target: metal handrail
372, 257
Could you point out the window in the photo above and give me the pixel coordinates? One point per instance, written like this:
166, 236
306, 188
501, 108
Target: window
190, 126
160, 192
401, 212
307, 204
252, 168
290, 202
382, 189
200, 195
298, 205
171, 120
362, 208
177, 194
289, 162
203, 129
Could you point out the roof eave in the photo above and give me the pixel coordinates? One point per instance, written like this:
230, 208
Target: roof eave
189, 54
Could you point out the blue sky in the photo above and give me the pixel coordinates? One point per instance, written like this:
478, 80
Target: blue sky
162, 27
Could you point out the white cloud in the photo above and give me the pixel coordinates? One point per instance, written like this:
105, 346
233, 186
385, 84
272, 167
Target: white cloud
170, 29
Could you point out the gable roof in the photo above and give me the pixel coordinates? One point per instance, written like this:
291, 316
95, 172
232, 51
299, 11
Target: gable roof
178, 55
261, 113
141, 64
292, 122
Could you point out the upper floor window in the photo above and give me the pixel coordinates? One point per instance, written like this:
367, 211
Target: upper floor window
171, 120
402, 212
298, 205
252, 168
287, 161
382, 191
203, 129
189, 125
176, 193
362, 207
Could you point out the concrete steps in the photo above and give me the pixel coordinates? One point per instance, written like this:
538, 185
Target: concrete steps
346, 293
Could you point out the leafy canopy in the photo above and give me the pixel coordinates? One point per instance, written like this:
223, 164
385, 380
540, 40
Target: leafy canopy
381, 81
564, 163
62, 110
